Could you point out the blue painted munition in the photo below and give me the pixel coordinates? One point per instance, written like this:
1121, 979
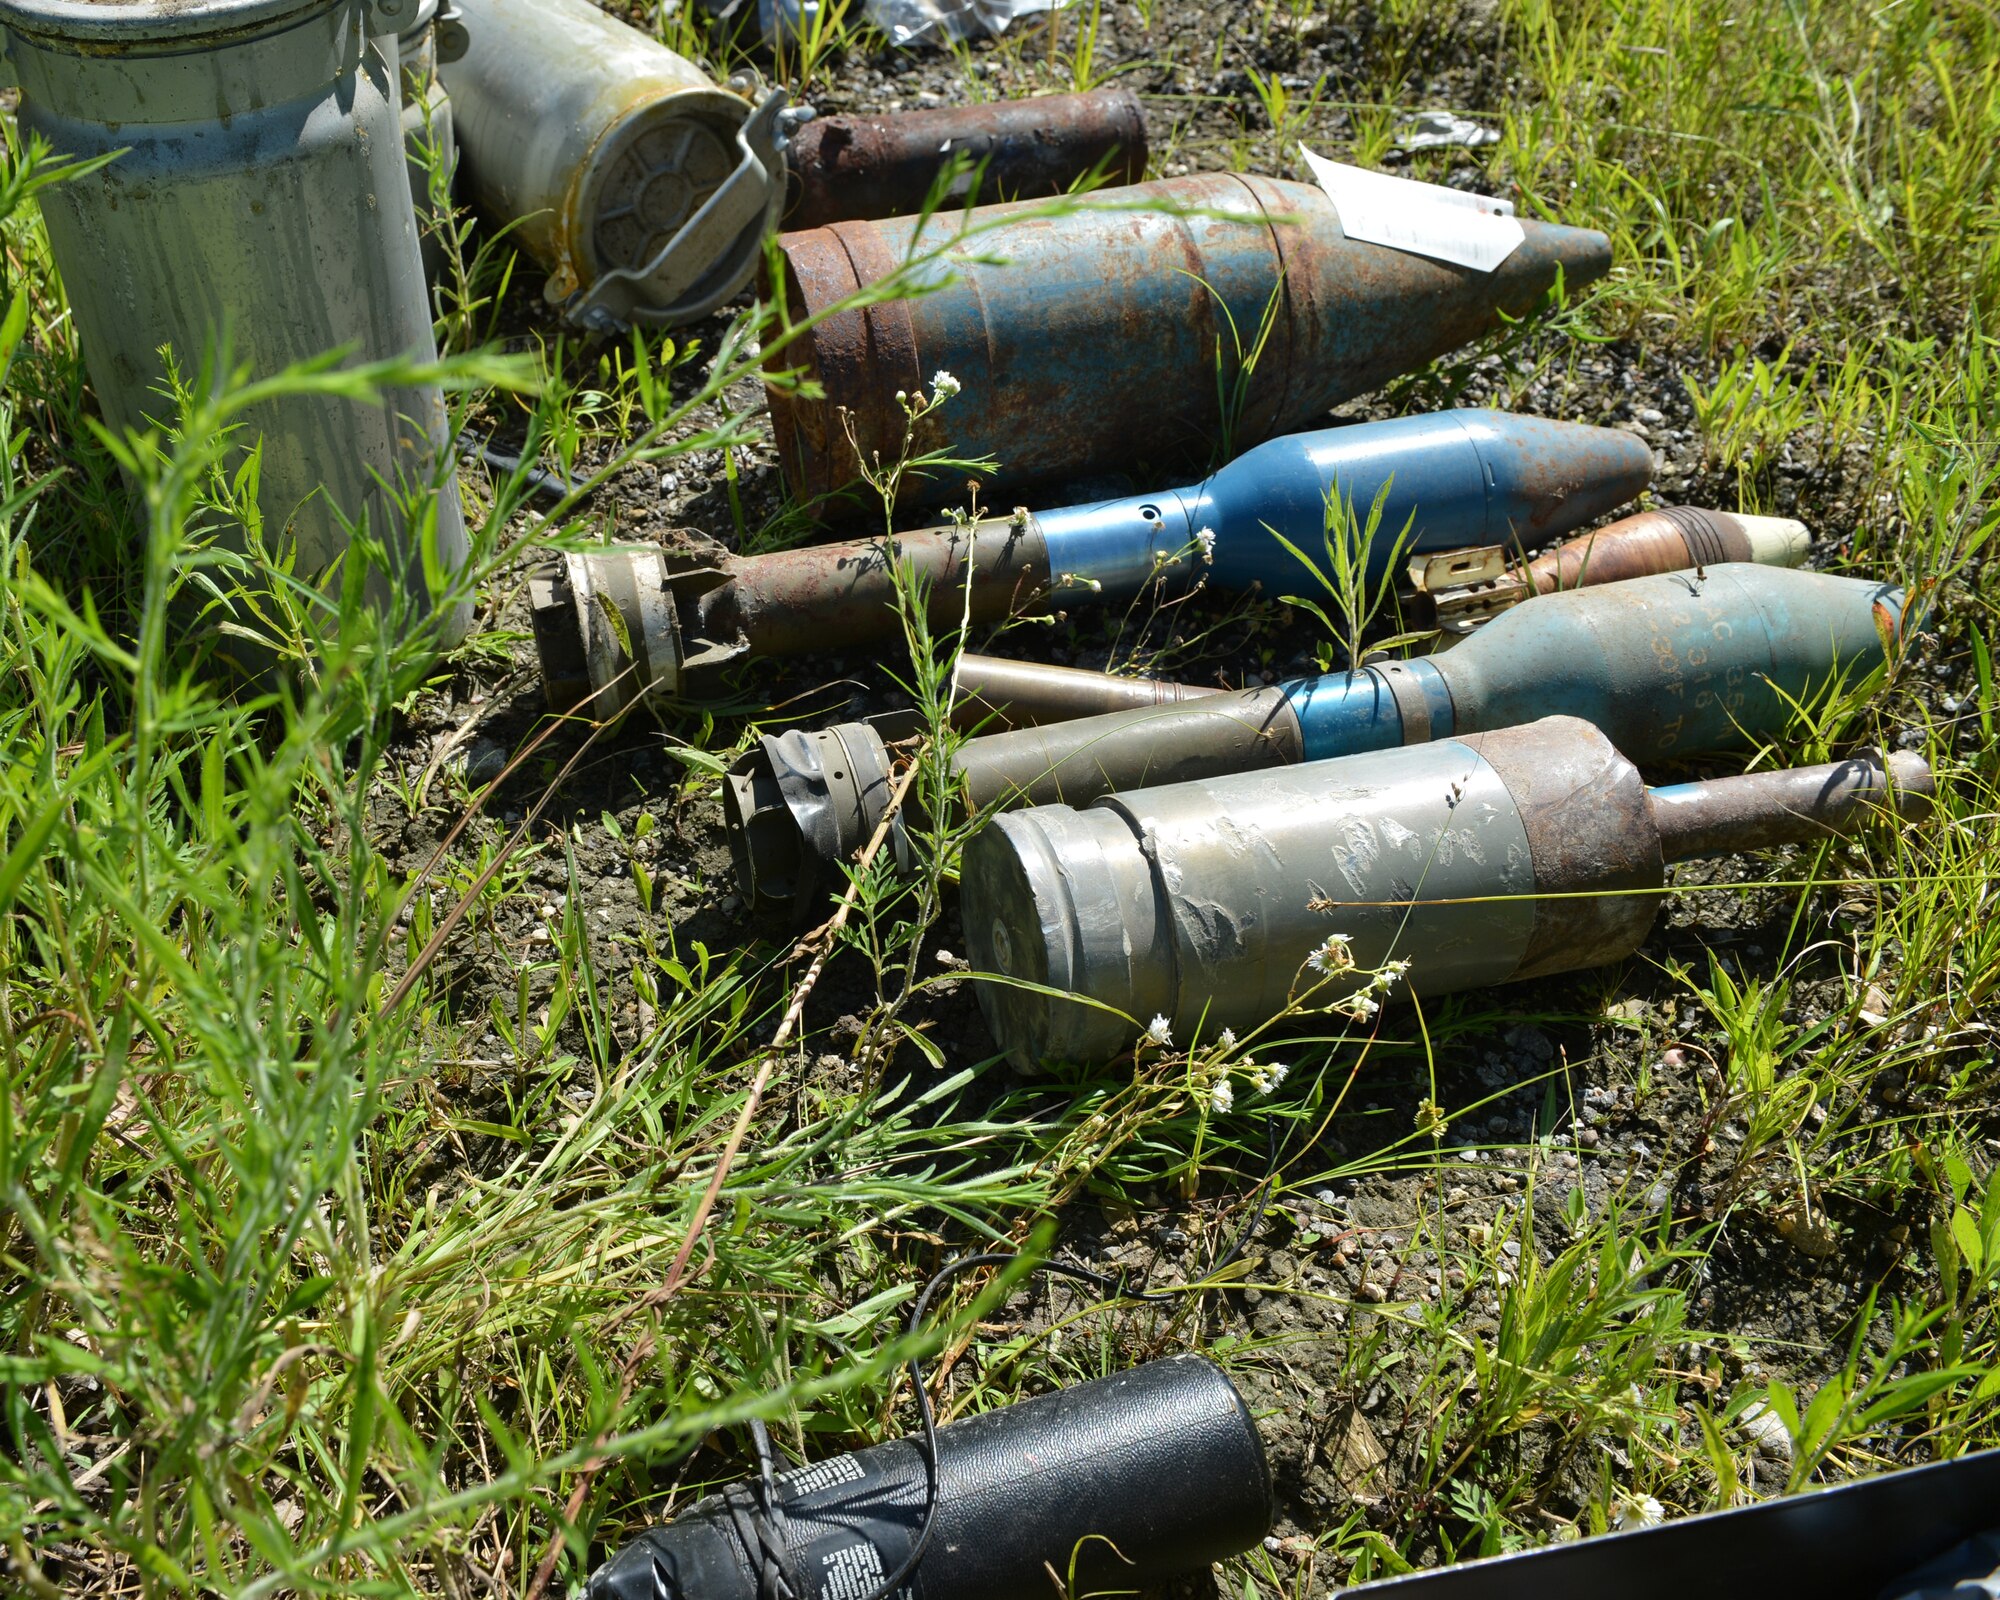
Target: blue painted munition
1454, 478
1676, 664
1458, 478
1119, 329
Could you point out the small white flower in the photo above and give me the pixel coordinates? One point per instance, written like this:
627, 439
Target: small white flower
1274, 1074
1227, 1039
1332, 956
1222, 1096
1637, 1511
943, 385
1205, 537
1359, 1007
1159, 1032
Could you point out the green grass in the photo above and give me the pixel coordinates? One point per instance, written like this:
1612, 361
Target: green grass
315, 1280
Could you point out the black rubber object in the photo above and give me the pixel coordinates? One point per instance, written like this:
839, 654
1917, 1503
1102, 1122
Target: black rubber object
1163, 1461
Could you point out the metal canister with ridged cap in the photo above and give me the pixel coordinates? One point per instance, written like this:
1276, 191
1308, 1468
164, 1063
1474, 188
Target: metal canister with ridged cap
1478, 860
1185, 270
643, 186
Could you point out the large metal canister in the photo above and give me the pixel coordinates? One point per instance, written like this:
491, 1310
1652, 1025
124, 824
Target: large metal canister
261, 194
644, 187
1127, 325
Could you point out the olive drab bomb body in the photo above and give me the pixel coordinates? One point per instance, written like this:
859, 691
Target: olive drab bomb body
1478, 860
1140, 1476
645, 188
1455, 478
860, 167
1675, 665
264, 201
1180, 268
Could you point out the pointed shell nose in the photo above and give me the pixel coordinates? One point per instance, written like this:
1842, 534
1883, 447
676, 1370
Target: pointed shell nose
1550, 478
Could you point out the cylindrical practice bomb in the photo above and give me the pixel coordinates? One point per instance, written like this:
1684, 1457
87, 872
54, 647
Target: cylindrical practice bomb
1137, 1477
860, 167
644, 187
1677, 665
628, 624
1479, 860
1135, 318
257, 192
1466, 588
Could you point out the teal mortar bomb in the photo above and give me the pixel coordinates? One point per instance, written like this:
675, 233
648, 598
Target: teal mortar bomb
1669, 666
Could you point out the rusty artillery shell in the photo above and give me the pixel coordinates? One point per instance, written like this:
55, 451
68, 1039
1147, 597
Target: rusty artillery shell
616, 626
1489, 859
861, 168
1669, 666
1120, 322
1467, 588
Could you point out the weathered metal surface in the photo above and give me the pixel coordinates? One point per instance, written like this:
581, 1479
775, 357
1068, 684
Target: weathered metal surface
1854, 1541
645, 188
1201, 902
860, 167
1666, 666
1596, 853
823, 597
1075, 762
1676, 665
1468, 588
261, 194
1172, 284
1765, 809
1448, 479
1509, 855
605, 626
624, 622
797, 805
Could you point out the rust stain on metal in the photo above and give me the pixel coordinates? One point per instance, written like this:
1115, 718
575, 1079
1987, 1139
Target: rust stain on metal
1591, 836
856, 168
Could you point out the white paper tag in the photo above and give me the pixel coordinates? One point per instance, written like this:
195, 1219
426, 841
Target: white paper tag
1427, 219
